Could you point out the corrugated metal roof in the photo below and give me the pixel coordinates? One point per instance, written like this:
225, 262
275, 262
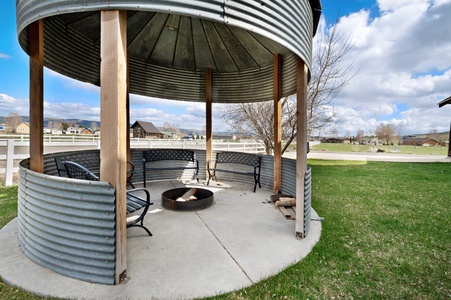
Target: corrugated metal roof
172, 43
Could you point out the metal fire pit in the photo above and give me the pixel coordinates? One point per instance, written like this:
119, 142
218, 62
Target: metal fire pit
204, 199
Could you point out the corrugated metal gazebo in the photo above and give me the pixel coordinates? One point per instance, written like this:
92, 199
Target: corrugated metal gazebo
216, 51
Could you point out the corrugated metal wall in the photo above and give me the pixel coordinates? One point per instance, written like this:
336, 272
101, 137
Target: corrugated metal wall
67, 225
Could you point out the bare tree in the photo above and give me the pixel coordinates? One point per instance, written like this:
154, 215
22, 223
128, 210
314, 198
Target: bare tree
12, 121
252, 118
174, 128
385, 132
435, 135
72, 123
94, 126
359, 136
329, 76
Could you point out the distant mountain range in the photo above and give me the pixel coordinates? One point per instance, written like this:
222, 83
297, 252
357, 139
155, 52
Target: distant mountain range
84, 123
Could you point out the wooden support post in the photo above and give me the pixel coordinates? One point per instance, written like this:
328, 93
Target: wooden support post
208, 103
301, 144
128, 114
36, 49
277, 124
113, 110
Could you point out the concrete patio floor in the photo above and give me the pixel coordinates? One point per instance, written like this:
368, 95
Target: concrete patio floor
238, 241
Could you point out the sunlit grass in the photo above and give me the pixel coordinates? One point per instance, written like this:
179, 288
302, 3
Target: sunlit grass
401, 149
8, 204
386, 235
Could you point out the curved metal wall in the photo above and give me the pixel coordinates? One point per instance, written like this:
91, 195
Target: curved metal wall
67, 225
288, 23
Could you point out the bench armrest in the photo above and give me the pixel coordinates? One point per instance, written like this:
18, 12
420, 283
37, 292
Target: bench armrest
132, 191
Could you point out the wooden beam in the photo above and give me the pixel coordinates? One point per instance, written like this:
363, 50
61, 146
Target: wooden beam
127, 101
36, 51
208, 103
301, 144
113, 111
277, 124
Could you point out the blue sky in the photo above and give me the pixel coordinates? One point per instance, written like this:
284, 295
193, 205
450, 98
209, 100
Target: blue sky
402, 51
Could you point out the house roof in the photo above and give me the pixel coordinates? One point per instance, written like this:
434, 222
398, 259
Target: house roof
419, 140
444, 102
147, 126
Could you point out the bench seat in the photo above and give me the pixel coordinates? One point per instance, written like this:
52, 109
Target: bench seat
237, 163
159, 160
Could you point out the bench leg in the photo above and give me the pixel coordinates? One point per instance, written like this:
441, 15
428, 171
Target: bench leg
142, 226
131, 184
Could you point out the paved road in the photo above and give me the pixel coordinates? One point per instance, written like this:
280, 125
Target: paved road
370, 156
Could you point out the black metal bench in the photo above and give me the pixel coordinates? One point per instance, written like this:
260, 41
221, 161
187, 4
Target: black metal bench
134, 202
187, 159
238, 163
90, 160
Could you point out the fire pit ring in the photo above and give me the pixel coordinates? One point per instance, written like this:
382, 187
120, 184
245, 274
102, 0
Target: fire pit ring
204, 199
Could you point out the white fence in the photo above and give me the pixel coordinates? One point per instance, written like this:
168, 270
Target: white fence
8, 147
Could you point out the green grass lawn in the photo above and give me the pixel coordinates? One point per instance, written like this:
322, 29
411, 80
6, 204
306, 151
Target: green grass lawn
401, 149
386, 235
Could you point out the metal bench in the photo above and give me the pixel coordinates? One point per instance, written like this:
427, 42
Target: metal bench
184, 159
134, 202
90, 160
238, 163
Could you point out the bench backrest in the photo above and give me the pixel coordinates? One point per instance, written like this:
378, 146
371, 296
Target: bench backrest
90, 160
238, 158
77, 171
168, 154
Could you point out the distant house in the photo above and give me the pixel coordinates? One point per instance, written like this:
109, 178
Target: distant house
23, 128
78, 130
226, 137
85, 131
332, 140
169, 135
420, 142
56, 131
71, 130
147, 130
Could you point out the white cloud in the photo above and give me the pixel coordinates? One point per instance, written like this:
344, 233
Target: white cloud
71, 111
404, 62
9, 104
5, 56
